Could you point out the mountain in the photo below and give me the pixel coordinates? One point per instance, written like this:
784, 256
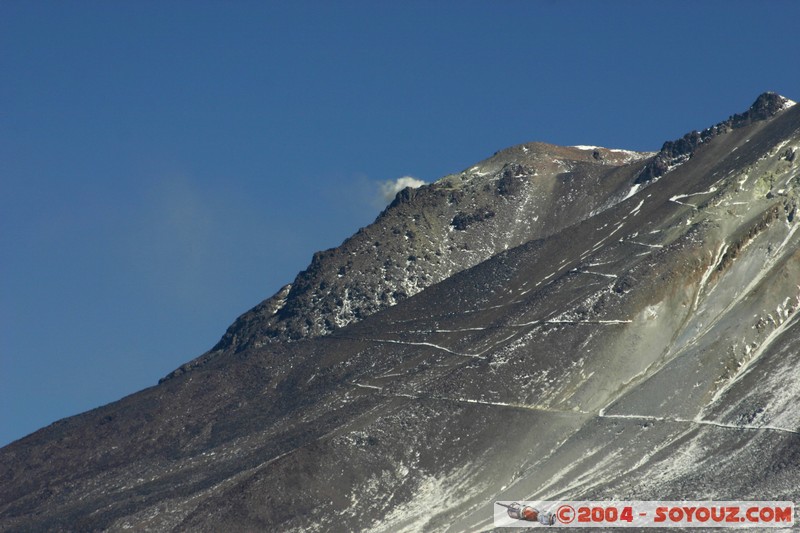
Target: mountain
428, 234
551, 323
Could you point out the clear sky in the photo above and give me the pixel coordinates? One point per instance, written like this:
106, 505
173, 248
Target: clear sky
164, 166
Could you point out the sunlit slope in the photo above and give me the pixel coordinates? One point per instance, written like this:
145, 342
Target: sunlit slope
640, 353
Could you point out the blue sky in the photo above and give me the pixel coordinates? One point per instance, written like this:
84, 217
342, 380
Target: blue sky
164, 166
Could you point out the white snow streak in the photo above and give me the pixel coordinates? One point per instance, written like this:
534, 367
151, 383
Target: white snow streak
707, 274
429, 344
537, 322
600, 414
679, 196
698, 421
595, 273
645, 244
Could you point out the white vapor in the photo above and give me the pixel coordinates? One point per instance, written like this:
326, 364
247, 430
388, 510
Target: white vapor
389, 188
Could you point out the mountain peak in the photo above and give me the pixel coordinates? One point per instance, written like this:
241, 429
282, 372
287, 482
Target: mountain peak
674, 153
425, 235
766, 106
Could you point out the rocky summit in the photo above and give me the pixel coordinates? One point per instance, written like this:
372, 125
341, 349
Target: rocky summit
553, 322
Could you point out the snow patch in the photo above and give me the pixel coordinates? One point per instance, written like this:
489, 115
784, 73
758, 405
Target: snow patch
633, 191
455, 488
637, 208
679, 196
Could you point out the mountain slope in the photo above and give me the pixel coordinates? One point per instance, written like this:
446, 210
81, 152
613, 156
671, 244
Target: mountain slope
643, 347
427, 234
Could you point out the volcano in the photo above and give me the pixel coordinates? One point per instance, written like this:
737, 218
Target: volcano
553, 322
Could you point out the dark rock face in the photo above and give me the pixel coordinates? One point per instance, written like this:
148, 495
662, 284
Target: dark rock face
646, 349
512, 179
678, 151
766, 105
463, 220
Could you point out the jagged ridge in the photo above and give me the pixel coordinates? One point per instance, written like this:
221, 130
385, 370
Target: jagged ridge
675, 152
430, 233
426, 235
